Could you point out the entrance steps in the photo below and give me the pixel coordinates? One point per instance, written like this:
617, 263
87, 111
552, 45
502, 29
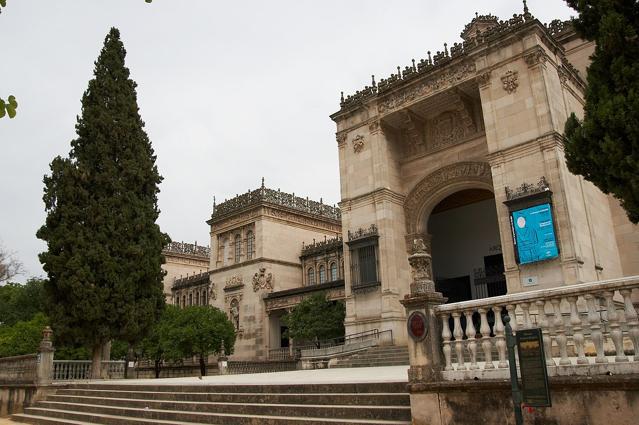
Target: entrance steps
311, 404
391, 355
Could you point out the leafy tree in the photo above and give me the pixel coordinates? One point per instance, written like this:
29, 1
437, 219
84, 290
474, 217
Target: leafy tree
21, 302
155, 346
197, 331
316, 318
104, 252
23, 337
604, 147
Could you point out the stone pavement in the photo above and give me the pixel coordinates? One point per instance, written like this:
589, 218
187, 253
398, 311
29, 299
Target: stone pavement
317, 376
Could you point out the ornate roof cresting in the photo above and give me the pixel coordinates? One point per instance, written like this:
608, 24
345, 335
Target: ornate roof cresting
481, 30
264, 195
332, 244
187, 248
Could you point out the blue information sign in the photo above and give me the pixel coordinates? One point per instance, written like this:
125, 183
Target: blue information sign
534, 234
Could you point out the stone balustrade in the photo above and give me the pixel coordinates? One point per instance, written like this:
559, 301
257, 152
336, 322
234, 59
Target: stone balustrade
18, 369
589, 328
75, 370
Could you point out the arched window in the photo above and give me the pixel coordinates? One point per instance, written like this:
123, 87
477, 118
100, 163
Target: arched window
197, 298
183, 301
204, 300
333, 272
250, 245
311, 277
177, 301
238, 247
190, 299
322, 273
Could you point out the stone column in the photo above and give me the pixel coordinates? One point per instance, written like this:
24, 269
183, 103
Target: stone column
424, 342
222, 361
44, 367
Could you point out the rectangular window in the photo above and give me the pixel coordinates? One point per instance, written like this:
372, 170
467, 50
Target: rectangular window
364, 266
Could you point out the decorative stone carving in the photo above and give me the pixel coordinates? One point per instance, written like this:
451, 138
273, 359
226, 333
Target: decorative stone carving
373, 126
421, 269
341, 137
358, 144
483, 79
527, 189
445, 80
262, 280
362, 233
234, 281
510, 80
188, 248
563, 76
212, 292
538, 56
421, 194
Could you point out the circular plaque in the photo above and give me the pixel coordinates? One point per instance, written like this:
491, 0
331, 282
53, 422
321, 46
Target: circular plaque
417, 326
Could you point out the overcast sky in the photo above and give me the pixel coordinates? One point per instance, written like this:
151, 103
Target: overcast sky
230, 91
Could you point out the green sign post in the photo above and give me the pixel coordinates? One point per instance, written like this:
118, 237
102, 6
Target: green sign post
532, 364
535, 391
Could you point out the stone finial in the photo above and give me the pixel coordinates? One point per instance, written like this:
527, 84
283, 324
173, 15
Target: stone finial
46, 344
262, 183
430, 60
422, 269
373, 81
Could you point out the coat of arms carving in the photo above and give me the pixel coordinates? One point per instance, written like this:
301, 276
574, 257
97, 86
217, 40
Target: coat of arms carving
358, 144
262, 280
510, 80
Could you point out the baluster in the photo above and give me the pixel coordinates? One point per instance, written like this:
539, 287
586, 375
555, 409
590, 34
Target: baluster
486, 344
446, 338
545, 330
615, 327
500, 337
560, 332
595, 329
458, 333
471, 343
513, 316
577, 331
525, 307
631, 320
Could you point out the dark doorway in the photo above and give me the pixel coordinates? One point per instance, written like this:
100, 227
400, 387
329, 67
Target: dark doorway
284, 336
456, 289
495, 279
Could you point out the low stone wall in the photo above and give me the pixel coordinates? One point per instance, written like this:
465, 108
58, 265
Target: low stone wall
173, 371
575, 400
14, 398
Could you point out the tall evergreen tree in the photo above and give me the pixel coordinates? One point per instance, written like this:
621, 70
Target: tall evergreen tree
604, 148
104, 248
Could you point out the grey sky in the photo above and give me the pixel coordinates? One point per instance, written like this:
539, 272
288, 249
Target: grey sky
230, 91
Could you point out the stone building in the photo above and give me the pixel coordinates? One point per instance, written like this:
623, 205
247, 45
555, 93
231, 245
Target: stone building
464, 150
258, 254
183, 261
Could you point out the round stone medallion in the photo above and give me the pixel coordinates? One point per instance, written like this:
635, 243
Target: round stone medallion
417, 325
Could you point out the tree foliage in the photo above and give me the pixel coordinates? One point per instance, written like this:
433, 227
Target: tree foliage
104, 251
196, 331
604, 147
316, 318
23, 337
21, 302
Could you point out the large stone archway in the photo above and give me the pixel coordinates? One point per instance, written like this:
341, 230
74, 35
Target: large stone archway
438, 185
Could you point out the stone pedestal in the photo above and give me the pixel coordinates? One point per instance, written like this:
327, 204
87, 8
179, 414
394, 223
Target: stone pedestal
44, 368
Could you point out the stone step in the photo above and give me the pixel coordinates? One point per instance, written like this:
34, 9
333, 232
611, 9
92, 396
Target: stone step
105, 405
380, 357
87, 420
348, 388
121, 416
365, 399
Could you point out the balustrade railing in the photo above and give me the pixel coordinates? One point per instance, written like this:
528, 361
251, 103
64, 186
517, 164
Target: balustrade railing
18, 369
77, 370
591, 325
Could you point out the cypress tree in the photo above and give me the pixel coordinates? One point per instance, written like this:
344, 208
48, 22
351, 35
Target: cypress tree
604, 147
104, 251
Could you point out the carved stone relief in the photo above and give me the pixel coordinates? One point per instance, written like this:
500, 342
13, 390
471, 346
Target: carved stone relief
341, 137
261, 280
443, 81
234, 281
358, 144
510, 81
483, 79
538, 56
424, 190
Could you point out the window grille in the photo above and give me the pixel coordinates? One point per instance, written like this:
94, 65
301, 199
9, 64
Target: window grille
333, 272
238, 248
322, 274
250, 245
311, 277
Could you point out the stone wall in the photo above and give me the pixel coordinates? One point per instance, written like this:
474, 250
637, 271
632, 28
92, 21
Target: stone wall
575, 400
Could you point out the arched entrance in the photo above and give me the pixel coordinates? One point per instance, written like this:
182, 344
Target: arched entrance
466, 246
453, 210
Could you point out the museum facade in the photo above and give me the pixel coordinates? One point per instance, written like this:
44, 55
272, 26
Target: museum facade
461, 152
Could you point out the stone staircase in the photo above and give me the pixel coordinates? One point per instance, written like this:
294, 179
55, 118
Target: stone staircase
312, 404
391, 355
